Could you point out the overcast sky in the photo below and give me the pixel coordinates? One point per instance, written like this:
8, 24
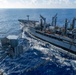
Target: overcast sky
37, 3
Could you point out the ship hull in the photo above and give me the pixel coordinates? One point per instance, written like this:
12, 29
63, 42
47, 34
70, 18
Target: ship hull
68, 46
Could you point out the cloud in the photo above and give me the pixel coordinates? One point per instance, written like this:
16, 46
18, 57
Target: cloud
37, 3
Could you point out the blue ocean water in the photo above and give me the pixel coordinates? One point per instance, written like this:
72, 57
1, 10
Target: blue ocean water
9, 17
37, 59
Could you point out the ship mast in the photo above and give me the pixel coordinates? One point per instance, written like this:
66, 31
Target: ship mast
43, 20
54, 20
28, 17
41, 24
66, 25
73, 23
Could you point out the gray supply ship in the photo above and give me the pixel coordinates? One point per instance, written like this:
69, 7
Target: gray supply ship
63, 37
